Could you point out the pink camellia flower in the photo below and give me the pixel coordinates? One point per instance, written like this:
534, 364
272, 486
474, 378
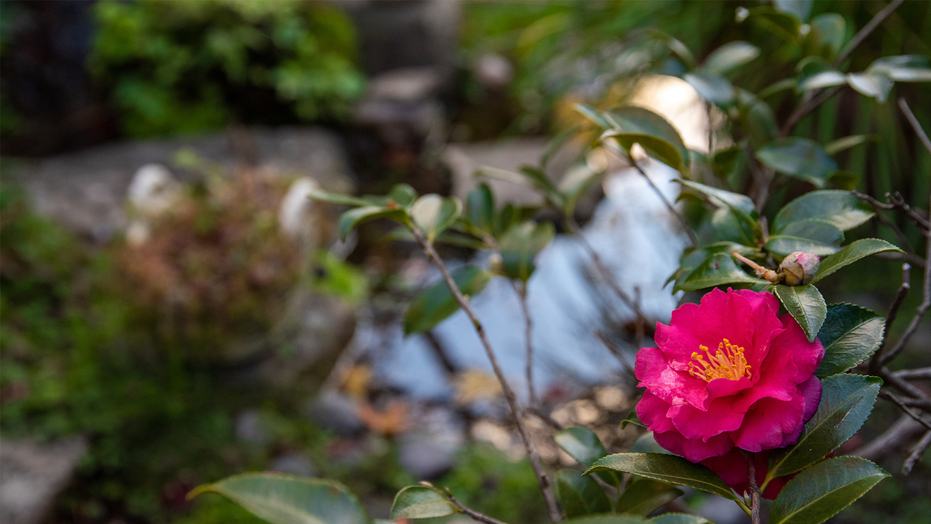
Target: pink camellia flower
728, 373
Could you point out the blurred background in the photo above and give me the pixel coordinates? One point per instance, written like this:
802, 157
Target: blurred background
176, 310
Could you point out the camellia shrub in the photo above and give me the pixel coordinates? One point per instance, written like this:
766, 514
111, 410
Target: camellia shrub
751, 391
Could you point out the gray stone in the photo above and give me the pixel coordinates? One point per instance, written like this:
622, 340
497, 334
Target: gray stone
33, 474
250, 428
336, 412
86, 191
430, 451
292, 464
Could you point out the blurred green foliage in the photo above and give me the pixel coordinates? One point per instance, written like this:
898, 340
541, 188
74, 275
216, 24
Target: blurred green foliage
185, 67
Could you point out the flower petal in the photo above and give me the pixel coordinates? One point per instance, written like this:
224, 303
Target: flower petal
651, 410
770, 424
703, 424
694, 450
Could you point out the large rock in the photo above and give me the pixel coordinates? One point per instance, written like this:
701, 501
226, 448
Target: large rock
32, 475
86, 191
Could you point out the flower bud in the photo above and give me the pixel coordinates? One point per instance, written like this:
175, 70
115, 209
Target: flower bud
798, 269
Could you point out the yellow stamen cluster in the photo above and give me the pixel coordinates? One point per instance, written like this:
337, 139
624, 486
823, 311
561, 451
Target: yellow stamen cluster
727, 362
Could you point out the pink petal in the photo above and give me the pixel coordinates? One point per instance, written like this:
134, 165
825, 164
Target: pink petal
672, 386
651, 410
769, 423
699, 424
693, 450
811, 391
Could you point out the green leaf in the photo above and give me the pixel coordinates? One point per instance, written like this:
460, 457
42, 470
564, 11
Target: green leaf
729, 56
644, 496
718, 269
713, 88
840, 208
594, 115
581, 444
830, 31
432, 214
756, 118
873, 85
666, 468
421, 502
679, 518
799, 158
809, 236
580, 495
846, 180
798, 8
729, 228
520, 245
821, 79
653, 132
576, 184
850, 334
846, 402
540, 181
336, 198
403, 195
781, 24
806, 305
903, 68
819, 493
850, 254
354, 217
726, 162
286, 499
480, 208
721, 197
436, 303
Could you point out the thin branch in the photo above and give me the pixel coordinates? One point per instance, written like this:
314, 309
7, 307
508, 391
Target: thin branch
912, 374
521, 292
902, 430
603, 269
925, 303
899, 202
516, 410
616, 351
805, 108
754, 491
866, 30
905, 409
893, 313
916, 126
916, 452
672, 209
471, 513
906, 388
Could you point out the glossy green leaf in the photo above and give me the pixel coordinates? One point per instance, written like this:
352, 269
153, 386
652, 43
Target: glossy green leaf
581, 444
806, 305
519, 248
873, 85
432, 214
726, 162
354, 217
819, 493
829, 29
679, 49
840, 208
594, 115
336, 198
608, 519
721, 197
717, 270
846, 180
821, 79
847, 142
846, 402
756, 118
666, 468
580, 495
640, 124
576, 183
781, 24
679, 518
286, 499
480, 208
850, 254
850, 334
644, 496
657, 148
436, 303
903, 68
809, 236
403, 195
632, 418
730, 56
800, 9
799, 158
728, 228
712, 87
421, 502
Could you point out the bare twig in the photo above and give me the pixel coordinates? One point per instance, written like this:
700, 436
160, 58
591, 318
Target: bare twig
899, 202
754, 492
616, 351
866, 30
916, 452
890, 318
916, 126
521, 292
905, 387
535, 462
603, 269
912, 374
898, 433
805, 108
905, 409
925, 303
471, 513
672, 209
